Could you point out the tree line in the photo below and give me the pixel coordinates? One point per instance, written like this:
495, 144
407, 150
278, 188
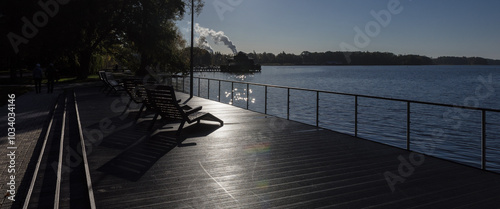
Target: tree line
203, 57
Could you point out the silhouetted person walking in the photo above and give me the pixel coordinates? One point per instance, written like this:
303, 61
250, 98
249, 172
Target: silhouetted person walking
50, 73
37, 77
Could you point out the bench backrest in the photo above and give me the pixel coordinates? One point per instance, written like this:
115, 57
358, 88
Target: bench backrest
132, 89
102, 75
164, 101
110, 79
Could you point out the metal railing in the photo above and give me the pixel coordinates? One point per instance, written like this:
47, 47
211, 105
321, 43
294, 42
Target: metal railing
408, 104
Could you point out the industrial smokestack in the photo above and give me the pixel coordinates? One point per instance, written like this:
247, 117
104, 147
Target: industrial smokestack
217, 36
203, 43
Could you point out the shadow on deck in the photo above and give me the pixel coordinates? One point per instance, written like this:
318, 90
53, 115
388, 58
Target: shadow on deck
138, 158
259, 161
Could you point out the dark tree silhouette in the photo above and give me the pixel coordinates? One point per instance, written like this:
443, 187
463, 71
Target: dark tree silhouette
74, 33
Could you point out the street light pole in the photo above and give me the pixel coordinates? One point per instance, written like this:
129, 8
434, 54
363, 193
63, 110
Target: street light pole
191, 59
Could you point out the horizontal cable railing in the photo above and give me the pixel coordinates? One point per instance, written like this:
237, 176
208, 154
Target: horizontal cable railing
408, 111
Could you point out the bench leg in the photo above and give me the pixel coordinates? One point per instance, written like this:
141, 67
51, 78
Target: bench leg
179, 130
103, 88
178, 133
109, 91
153, 122
140, 111
126, 107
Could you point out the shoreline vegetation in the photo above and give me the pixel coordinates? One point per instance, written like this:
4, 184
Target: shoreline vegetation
204, 58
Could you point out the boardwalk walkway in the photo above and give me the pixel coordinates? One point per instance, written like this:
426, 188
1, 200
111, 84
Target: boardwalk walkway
259, 161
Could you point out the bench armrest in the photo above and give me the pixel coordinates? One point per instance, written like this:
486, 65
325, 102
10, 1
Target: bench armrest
191, 111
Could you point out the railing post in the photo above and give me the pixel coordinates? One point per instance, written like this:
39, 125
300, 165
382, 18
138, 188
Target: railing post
288, 104
219, 90
408, 131
265, 100
232, 93
183, 84
177, 83
317, 108
208, 89
199, 87
356, 116
248, 96
483, 139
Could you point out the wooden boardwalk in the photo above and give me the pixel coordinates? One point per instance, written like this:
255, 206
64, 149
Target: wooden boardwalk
259, 161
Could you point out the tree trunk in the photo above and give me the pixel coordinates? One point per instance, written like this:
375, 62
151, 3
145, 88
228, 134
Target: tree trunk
13, 74
85, 62
142, 68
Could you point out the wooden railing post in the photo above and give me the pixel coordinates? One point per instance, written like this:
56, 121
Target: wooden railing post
288, 104
248, 96
356, 116
232, 93
265, 100
408, 127
483, 139
199, 87
219, 91
317, 108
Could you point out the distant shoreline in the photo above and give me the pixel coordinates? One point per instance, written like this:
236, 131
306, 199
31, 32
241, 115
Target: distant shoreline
363, 59
291, 64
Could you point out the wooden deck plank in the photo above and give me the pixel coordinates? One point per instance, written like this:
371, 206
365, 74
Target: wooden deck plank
256, 161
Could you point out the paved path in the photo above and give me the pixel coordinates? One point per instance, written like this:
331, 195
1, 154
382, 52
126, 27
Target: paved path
32, 116
32, 112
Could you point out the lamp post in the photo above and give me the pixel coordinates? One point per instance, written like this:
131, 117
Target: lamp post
191, 59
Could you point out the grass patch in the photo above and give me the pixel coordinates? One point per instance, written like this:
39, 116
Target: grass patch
90, 78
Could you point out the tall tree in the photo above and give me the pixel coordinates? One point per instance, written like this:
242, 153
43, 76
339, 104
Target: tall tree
77, 31
149, 25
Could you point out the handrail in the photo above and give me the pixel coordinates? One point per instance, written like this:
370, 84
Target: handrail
354, 95
356, 104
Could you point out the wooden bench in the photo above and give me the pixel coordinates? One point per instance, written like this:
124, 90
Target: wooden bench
167, 106
132, 89
138, 91
112, 84
105, 86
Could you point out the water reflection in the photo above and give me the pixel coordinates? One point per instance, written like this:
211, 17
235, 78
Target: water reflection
240, 96
241, 77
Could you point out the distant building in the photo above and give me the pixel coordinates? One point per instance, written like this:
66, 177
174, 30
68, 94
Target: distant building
241, 63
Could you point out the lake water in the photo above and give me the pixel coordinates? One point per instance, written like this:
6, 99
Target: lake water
449, 133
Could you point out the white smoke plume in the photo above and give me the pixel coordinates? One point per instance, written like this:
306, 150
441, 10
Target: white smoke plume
203, 43
217, 36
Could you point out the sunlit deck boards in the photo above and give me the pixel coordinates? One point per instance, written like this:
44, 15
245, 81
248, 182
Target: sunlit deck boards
258, 161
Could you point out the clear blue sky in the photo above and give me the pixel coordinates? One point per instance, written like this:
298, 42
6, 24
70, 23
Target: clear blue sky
425, 27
